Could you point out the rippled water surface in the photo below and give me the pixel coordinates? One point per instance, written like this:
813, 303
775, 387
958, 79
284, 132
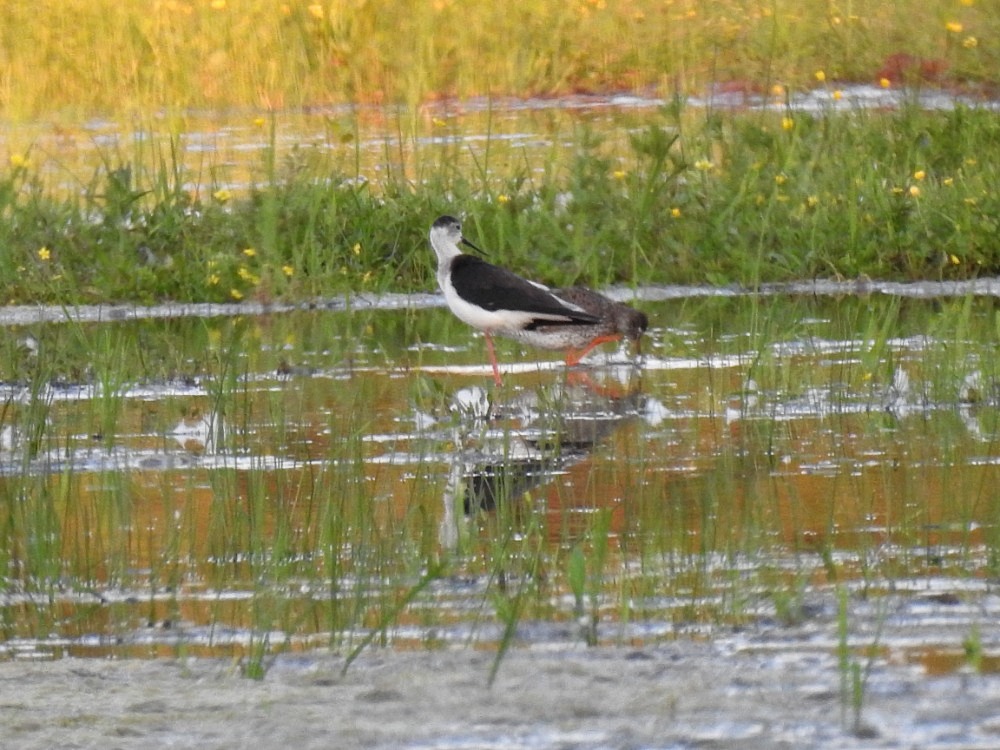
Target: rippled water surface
285, 479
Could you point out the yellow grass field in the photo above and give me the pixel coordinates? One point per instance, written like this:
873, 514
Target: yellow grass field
65, 59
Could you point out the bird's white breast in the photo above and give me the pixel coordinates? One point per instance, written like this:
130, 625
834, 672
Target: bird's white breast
485, 320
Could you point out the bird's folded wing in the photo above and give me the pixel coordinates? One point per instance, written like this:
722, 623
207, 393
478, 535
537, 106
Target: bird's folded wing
494, 288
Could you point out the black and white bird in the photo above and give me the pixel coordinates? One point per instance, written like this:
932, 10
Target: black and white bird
499, 302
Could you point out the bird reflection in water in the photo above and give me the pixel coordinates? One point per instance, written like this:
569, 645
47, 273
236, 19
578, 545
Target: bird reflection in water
506, 449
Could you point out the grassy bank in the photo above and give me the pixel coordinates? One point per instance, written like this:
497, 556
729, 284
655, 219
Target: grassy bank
693, 196
76, 58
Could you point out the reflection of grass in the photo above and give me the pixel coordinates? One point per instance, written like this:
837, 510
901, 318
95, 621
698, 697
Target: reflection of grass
105, 55
691, 197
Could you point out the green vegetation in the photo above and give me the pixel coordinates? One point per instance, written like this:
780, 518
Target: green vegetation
81, 58
686, 196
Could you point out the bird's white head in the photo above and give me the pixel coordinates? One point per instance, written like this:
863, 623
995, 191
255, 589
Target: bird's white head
446, 236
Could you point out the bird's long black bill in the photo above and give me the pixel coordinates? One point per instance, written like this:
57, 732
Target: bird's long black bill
469, 244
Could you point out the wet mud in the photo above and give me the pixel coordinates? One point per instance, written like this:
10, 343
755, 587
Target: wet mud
733, 693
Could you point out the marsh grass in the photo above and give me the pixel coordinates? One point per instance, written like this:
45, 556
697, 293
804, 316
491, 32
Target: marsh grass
100, 57
586, 572
517, 570
689, 196
855, 673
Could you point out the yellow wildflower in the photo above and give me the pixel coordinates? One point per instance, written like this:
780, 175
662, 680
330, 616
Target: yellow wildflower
288, 271
884, 83
703, 165
675, 212
787, 123
236, 294
316, 11
914, 191
356, 249
222, 195
948, 181
954, 259
249, 252
954, 27
213, 279
44, 253
619, 174
969, 42
820, 76
503, 199
812, 201
780, 179
838, 95
18, 161
919, 175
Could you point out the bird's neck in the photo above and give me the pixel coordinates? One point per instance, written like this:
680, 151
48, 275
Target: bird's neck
444, 268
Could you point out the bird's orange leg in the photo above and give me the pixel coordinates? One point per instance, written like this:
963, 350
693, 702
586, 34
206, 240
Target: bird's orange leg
574, 356
493, 359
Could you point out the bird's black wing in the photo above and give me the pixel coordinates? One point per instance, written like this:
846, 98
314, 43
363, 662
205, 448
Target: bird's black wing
494, 288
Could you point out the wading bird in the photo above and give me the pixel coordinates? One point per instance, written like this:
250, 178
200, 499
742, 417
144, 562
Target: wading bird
499, 302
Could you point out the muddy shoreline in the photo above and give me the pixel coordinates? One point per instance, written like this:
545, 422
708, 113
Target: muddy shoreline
679, 694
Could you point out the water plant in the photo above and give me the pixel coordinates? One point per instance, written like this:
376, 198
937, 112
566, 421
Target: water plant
585, 575
854, 675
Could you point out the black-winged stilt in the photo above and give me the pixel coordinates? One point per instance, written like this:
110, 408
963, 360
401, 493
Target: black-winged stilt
497, 301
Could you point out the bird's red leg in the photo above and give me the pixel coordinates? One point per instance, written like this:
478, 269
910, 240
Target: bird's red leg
574, 356
493, 359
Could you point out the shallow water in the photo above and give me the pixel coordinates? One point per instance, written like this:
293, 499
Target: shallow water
493, 138
219, 484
